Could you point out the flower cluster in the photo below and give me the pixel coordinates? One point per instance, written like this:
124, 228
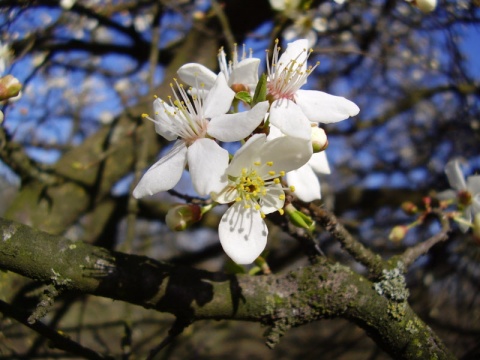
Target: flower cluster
276, 123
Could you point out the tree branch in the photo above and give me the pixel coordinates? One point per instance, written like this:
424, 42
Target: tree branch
280, 301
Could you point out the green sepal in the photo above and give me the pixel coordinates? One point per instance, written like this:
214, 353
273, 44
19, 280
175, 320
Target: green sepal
244, 96
260, 91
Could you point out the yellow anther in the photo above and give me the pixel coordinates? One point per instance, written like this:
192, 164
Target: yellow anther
271, 173
144, 115
281, 197
257, 207
155, 97
247, 206
244, 171
292, 188
257, 163
270, 163
262, 214
238, 199
281, 211
276, 181
264, 192
282, 173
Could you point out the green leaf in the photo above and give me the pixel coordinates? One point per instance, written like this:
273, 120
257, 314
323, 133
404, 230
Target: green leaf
244, 96
260, 91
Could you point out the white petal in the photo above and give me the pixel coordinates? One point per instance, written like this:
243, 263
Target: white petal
286, 153
473, 184
164, 174
207, 163
290, 119
197, 74
243, 233
246, 73
272, 201
307, 186
455, 175
321, 107
297, 51
247, 154
219, 98
235, 127
447, 195
226, 195
319, 163
162, 121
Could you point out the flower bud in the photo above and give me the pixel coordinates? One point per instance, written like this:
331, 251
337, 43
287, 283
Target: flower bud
181, 216
319, 139
425, 6
398, 233
9, 87
299, 219
409, 208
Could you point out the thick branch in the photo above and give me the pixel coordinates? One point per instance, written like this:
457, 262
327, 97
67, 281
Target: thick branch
281, 301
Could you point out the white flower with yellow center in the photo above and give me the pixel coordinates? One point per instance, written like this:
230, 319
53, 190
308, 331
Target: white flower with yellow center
194, 123
241, 75
252, 183
293, 109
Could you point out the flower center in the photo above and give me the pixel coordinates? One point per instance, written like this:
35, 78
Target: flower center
285, 79
257, 187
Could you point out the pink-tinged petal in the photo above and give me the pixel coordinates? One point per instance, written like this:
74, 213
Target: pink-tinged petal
247, 154
321, 107
285, 153
163, 122
319, 163
307, 186
165, 173
273, 200
455, 175
297, 51
196, 75
235, 127
243, 233
219, 98
207, 163
290, 119
246, 73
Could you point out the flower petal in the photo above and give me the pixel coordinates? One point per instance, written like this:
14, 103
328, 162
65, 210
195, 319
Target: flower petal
455, 175
163, 122
290, 119
286, 153
306, 183
473, 184
207, 162
296, 51
247, 154
165, 173
321, 107
235, 127
319, 163
243, 233
273, 200
219, 99
196, 74
246, 73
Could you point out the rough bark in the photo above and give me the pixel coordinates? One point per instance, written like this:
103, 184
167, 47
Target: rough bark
280, 301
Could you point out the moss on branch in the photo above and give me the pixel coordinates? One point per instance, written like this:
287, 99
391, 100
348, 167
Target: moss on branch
279, 301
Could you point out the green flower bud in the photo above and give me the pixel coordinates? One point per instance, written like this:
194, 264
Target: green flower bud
299, 219
398, 233
9, 87
181, 216
319, 139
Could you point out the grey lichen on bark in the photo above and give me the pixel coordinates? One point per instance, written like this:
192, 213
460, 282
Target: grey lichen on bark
323, 290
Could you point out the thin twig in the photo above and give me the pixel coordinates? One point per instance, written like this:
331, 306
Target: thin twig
326, 219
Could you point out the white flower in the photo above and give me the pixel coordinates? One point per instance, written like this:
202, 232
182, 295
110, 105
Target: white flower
465, 193
305, 179
252, 183
293, 109
240, 75
193, 123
